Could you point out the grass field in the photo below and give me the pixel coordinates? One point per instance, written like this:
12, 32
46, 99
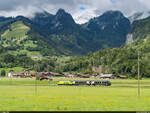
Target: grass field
20, 94
17, 34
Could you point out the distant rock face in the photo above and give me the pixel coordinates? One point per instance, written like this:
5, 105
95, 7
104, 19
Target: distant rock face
110, 26
109, 20
62, 21
54, 23
129, 39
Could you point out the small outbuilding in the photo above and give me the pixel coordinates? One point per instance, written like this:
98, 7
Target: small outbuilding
44, 78
83, 75
107, 76
56, 74
70, 75
122, 77
10, 75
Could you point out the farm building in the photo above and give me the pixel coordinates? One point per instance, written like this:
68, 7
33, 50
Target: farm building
95, 75
56, 74
39, 74
46, 73
122, 77
16, 75
44, 78
107, 76
83, 75
24, 74
70, 75
10, 75
49, 74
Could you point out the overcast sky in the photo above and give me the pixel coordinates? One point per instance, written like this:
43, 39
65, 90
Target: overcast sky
81, 10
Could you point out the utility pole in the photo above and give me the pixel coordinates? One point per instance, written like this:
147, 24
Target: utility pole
47, 67
93, 61
138, 74
93, 64
35, 85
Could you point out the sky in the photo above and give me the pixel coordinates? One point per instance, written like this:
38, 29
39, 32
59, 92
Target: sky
81, 10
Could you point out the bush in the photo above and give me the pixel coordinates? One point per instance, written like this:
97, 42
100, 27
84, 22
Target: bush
22, 54
37, 77
3, 73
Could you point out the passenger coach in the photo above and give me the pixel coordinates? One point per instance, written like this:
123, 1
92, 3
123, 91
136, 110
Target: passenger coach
100, 83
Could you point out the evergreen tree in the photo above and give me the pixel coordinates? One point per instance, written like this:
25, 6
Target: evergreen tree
3, 73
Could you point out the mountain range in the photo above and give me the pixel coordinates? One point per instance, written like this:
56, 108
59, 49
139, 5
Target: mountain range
54, 35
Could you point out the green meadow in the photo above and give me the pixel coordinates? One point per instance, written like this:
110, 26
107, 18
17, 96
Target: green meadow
17, 36
21, 94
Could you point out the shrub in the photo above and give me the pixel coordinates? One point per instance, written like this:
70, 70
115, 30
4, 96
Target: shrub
3, 73
37, 77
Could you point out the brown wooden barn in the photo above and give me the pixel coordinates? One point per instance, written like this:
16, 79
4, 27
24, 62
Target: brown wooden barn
83, 75
122, 77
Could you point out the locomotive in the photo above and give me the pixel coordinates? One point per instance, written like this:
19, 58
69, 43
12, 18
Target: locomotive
100, 83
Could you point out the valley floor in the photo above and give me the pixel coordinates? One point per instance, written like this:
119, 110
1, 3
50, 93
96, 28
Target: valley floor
21, 94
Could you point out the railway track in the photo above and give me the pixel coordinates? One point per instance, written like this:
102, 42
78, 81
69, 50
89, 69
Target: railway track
113, 85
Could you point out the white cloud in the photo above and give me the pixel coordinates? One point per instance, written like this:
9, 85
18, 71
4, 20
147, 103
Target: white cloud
93, 7
83, 16
28, 12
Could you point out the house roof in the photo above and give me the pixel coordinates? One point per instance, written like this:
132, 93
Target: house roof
107, 75
122, 76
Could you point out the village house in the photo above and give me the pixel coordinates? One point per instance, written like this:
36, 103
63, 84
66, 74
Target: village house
10, 75
45, 78
16, 75
95, 75
83, 75
107, 76
50, 74
70, 75
122, 77
24, 74
56, 74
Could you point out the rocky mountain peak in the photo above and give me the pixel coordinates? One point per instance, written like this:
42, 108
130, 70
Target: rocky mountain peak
111, 15
62, 20
61, 12
110, 19
63, 15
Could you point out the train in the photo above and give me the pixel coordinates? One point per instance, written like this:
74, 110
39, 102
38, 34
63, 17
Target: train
89, 83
